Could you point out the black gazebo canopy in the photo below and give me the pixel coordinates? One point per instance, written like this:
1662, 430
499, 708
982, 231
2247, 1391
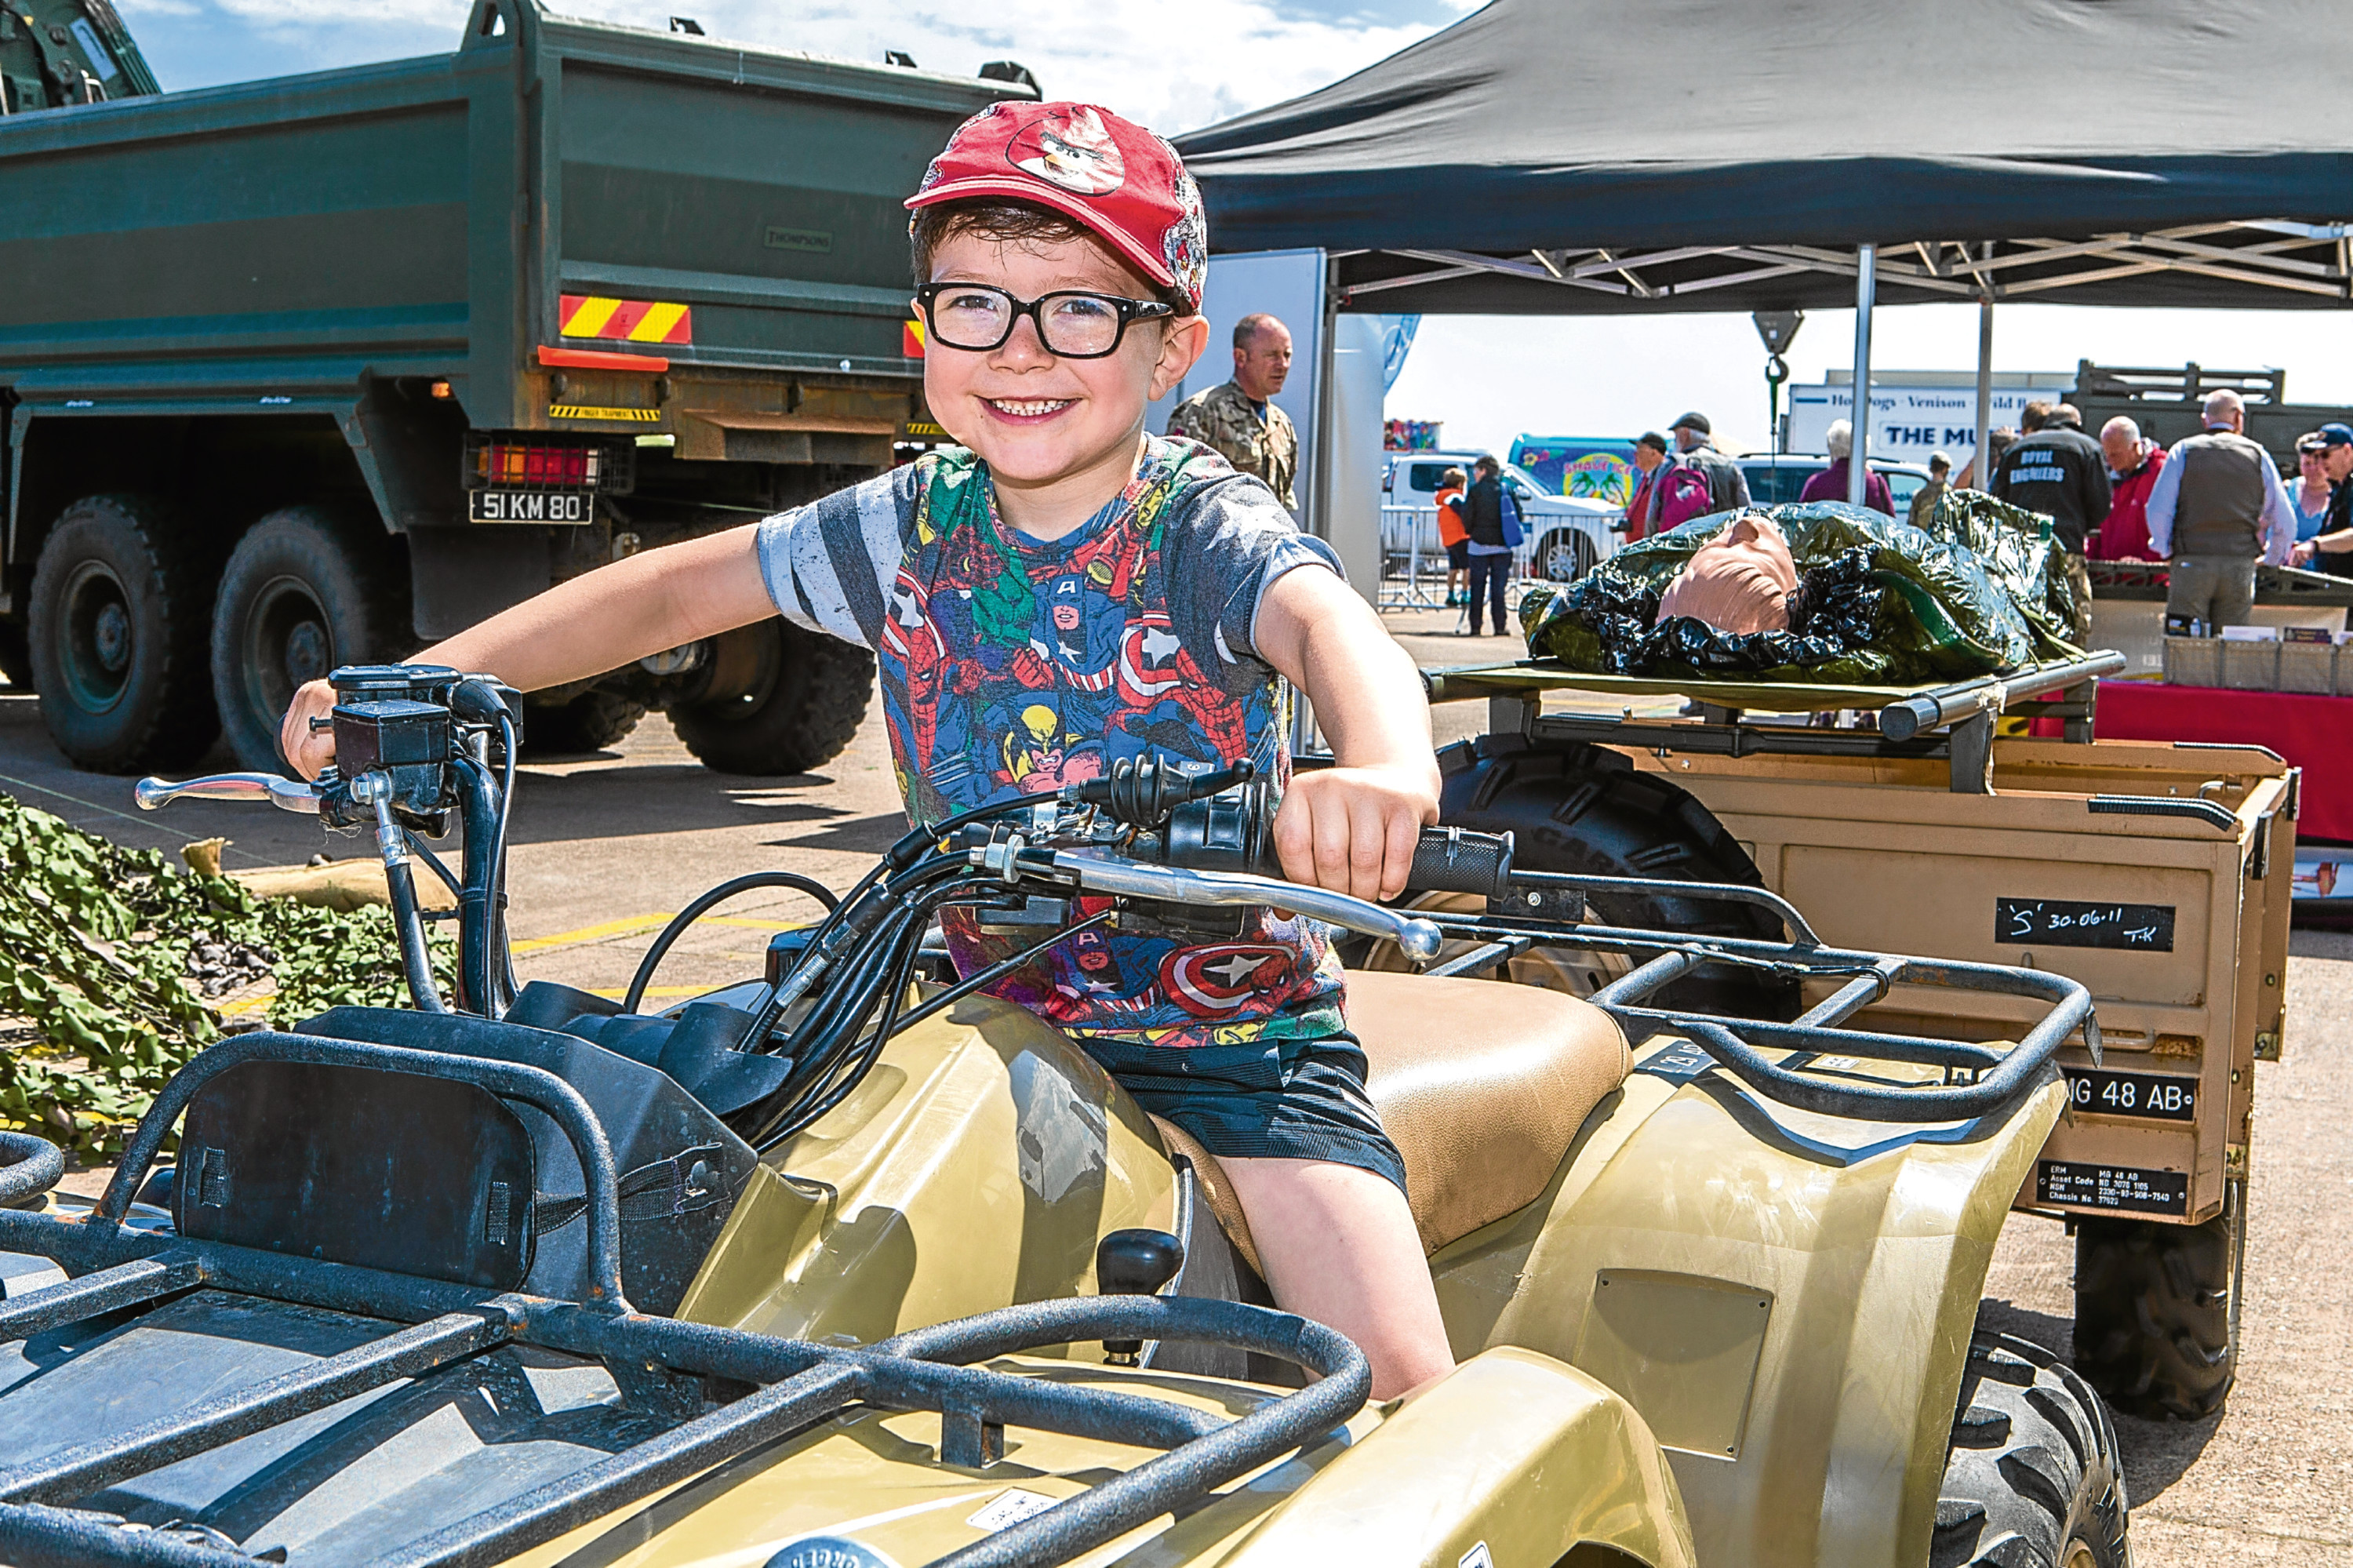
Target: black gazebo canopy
1549, 156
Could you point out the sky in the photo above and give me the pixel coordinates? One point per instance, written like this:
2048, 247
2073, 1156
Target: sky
1489, 379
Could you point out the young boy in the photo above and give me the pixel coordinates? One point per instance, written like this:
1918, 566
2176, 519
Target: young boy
1066, 591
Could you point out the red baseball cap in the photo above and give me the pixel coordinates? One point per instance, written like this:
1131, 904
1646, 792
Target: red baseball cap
1121, 182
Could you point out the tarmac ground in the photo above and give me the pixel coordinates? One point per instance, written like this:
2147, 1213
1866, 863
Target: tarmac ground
607, 846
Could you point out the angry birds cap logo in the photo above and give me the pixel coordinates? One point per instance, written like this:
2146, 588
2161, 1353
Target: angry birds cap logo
1070, 148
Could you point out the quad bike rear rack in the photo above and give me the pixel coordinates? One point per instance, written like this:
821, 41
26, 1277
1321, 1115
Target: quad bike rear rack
1978, 1079
658, 1364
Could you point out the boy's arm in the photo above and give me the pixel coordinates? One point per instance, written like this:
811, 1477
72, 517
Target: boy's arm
600, 622
1350, 828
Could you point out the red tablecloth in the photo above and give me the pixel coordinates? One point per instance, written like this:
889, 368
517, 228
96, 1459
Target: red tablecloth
2314, 733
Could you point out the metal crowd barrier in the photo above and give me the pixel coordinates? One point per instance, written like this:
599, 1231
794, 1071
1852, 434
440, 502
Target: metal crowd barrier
1413, 564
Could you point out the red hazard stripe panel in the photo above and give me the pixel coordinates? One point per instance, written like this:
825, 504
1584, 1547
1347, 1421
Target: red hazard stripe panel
911, 339
627, 321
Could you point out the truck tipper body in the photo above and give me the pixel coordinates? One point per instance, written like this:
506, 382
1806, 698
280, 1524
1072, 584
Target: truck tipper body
321, 368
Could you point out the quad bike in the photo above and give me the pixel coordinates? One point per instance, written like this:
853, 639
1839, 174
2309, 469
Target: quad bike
852, 1264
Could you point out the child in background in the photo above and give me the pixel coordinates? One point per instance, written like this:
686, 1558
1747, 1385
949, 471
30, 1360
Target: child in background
1454, 533
1062, 592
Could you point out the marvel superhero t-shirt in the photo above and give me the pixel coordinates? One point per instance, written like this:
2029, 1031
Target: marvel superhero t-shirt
1012, 666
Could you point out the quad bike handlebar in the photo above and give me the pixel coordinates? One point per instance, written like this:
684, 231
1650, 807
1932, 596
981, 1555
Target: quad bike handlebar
1193, 850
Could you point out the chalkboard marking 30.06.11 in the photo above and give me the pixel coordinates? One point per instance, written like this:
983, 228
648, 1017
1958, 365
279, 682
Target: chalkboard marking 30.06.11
2071, 923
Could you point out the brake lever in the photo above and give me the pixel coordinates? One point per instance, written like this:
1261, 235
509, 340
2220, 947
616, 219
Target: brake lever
286, 794
1416, 937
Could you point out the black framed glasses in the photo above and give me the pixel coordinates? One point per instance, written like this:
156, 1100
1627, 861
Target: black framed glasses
1072, 323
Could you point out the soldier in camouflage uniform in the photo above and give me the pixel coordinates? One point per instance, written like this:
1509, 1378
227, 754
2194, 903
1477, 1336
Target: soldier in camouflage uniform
1238, 418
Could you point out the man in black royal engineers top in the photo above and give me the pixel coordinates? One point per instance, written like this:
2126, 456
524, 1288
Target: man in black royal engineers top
2059, 471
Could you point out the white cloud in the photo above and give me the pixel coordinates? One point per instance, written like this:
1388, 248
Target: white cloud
1173, 67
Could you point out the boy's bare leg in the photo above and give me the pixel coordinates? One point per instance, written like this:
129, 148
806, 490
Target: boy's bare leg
1339, 1246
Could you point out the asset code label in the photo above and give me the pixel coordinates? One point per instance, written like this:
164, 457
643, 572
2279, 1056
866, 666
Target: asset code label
2154, 1095
2067, 923
2116, 1187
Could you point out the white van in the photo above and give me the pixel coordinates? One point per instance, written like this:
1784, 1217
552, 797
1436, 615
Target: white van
1566, 537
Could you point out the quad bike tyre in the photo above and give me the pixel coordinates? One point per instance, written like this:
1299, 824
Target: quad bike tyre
1585, 809
591, 721
2157, 1312
305, 590
116, 633
2031, 1479
802, 695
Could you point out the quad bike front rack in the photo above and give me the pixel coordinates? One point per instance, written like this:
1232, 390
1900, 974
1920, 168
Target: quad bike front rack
660, 1365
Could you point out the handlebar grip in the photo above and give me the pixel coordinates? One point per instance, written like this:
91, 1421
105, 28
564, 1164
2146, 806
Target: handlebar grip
1453, 859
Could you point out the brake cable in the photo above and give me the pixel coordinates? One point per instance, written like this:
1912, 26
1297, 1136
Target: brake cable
679, 922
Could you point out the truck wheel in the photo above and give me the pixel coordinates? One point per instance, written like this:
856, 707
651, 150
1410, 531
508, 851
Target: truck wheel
1584, 809
304, 592
800, 696
1565, 555
117, 635
590, 722
2031, 1478
2156, 1317
15, 655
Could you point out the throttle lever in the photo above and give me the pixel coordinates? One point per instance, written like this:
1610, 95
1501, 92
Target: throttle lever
286, 794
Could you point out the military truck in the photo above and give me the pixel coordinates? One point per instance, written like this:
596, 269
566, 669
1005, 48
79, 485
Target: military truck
2169, 405
305, 371
57, 53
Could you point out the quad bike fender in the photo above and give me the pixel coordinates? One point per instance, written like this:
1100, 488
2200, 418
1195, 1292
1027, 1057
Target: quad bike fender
1512, 1452
1786, 1297
975, 1167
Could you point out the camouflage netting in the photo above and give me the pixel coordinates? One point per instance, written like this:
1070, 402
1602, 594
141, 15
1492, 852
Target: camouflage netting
1982, 589
110, 959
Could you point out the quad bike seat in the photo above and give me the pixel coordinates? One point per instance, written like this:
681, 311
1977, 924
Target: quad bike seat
1481, 1085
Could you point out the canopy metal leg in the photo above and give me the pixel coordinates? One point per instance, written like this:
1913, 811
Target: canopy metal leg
1866, 288
1982, 470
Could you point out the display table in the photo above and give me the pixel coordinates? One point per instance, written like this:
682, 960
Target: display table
2314, 733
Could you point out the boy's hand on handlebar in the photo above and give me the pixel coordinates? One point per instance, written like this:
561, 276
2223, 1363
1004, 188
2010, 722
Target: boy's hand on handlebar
309, 751
1353, 830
